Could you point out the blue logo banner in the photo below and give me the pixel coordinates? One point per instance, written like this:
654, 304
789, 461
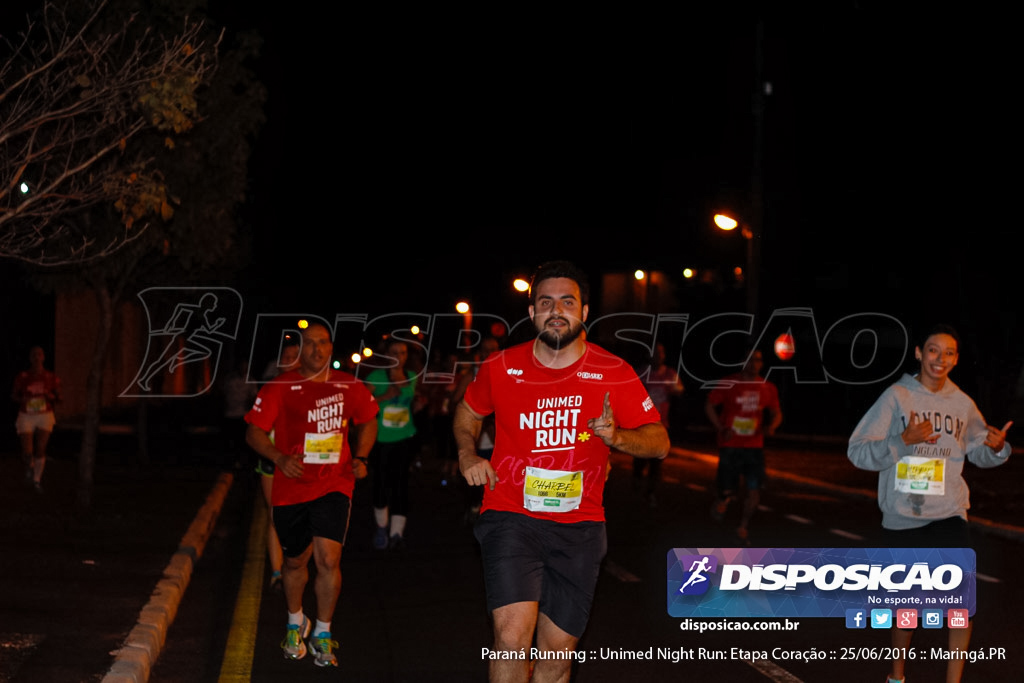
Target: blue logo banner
817, 582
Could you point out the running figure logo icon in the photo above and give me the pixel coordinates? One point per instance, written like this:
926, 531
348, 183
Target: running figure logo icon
697, 582
188, 329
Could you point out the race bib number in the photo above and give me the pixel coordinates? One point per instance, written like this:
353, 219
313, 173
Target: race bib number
395, 416
36, 404
921, 475
552, 490
744, 426
322, 449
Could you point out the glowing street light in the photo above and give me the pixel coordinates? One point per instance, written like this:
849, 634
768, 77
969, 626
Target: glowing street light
724, 222
467, 314
728, 223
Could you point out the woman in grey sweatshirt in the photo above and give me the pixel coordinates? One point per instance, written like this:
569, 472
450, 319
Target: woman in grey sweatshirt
917, 436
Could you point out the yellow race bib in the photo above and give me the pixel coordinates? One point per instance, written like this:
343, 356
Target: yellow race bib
552, 490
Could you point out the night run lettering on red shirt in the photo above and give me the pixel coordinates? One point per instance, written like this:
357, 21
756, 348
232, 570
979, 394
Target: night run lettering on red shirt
749, 401
328, 414
555, 421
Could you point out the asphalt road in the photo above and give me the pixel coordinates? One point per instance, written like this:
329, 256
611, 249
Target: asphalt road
420, 615
73, 584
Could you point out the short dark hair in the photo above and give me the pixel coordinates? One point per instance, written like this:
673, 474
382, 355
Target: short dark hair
322, 325
556, 269
941, 328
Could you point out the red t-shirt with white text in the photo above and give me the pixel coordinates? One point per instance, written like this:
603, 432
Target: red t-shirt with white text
541, 419
743, 405
35, 392
301, 412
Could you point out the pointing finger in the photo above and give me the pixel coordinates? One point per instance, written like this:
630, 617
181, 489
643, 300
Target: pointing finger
1007, 426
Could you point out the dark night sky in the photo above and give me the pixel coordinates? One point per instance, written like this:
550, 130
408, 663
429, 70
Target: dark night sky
458, 146
462, 147
411, 157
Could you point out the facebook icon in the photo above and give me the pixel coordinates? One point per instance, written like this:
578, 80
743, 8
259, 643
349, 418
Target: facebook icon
856, 618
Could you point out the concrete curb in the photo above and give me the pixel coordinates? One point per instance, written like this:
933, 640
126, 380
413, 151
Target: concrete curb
134, 661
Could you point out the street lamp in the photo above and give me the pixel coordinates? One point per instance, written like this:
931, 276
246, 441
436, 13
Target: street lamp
729, 223
464, 308
642, 280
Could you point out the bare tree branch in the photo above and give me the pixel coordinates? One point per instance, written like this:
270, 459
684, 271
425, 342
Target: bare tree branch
72, 98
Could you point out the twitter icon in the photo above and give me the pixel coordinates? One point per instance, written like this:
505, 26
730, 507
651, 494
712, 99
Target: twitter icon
881, 618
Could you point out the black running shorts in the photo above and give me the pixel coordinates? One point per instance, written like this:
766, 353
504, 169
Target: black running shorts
953, 532
733, 462
325, 517
536, 560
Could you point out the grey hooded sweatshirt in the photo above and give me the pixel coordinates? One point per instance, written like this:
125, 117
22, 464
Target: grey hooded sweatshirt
922, 483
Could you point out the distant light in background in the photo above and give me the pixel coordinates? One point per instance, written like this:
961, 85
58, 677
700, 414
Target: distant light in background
303, 324
689, 273
367, 352
356, 358
521, 285
415, 329
336, 364
724, 222
24, 188
785, 346
749, 277
639, 275
462, 307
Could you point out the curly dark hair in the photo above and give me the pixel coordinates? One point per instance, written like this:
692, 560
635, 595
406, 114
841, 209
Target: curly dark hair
566, 269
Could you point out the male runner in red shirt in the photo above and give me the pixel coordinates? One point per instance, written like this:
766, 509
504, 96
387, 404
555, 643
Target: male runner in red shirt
324, 424
560, 405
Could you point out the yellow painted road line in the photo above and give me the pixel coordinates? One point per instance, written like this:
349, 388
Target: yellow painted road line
237, 664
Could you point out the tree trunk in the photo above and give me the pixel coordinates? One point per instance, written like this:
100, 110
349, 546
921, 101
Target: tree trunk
142, 431
94, 394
